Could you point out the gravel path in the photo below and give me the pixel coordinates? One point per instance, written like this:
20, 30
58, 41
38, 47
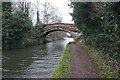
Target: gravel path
81, 64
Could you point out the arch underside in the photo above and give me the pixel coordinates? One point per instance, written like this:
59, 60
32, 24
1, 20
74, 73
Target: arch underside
45, 34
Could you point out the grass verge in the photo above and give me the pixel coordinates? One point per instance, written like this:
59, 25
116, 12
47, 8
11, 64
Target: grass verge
62, 70
105, 70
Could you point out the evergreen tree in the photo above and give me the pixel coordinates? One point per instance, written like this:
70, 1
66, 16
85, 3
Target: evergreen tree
6, 23
100, 24
15, 27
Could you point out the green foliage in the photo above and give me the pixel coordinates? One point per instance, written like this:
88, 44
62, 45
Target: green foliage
15, 27
33, 37
100, 24
21, 25
62, 70
106, 71
38, 31
6, 21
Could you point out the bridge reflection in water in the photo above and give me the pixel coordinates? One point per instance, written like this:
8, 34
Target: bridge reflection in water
33, 62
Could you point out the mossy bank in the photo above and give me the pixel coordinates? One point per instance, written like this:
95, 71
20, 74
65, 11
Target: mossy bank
62, 70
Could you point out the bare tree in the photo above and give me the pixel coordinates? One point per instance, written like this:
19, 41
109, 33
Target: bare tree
22, 6
38, 16
43, 11
56, 18
50, 13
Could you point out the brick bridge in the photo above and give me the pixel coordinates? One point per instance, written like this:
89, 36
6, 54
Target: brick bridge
65, 27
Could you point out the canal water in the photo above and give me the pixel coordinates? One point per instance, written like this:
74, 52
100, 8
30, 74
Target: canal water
33, 62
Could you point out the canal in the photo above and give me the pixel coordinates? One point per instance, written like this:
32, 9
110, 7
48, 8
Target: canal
33, 62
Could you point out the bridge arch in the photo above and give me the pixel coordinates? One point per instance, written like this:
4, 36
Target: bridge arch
54, 30
65, 27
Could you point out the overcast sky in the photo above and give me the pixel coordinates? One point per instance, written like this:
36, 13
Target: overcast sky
63, 8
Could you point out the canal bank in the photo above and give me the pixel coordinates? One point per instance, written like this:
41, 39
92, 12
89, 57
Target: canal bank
75, 63
62, 70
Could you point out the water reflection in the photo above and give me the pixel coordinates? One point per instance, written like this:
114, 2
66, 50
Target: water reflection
33, 62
